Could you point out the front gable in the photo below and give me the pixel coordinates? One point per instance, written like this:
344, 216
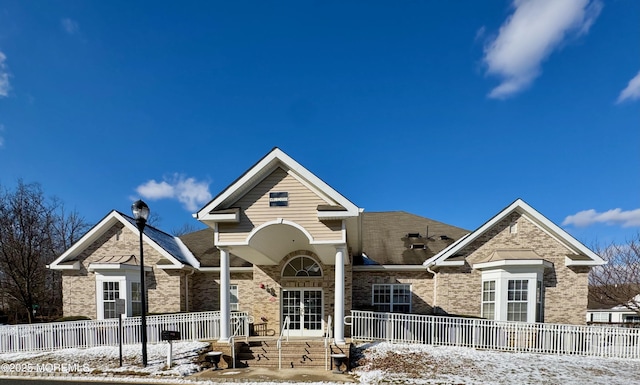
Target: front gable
117, 233
278, 206
279, 195
518, 266
517, 227
333, 205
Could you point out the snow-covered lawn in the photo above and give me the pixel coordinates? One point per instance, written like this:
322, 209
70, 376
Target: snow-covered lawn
419, 364
104, 360
379, 363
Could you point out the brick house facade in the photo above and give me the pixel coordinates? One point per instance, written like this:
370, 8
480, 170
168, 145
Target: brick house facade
290, 245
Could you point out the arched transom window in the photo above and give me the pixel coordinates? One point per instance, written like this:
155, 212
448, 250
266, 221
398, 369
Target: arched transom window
302, 266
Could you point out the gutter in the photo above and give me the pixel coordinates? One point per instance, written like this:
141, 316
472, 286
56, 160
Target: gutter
388, 268
435, 285
214, 269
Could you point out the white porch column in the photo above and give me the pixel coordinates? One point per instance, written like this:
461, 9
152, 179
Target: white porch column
338, 329
225, 309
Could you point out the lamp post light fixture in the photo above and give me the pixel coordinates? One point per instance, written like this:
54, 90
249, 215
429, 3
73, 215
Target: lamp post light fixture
141, 214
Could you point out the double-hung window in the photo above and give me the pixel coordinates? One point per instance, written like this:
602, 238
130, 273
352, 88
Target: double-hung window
394, 298
517, 298
489, 299
110, 292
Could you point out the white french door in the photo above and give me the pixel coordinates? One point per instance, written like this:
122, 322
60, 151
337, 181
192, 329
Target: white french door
304, 309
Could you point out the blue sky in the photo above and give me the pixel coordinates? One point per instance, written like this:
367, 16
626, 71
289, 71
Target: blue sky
450, 110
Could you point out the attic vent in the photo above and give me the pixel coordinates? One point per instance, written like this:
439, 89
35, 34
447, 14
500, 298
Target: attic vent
419, 246
413, 235
444, 238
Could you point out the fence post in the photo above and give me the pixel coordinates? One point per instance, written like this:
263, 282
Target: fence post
474, 333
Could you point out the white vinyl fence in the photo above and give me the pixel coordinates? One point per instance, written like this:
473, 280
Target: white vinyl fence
90, 333
495, 335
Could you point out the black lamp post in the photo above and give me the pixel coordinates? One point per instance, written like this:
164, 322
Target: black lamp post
141, 214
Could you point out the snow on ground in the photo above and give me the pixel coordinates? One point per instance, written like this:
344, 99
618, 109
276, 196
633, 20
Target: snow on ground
105, 360
378, 363
419, 364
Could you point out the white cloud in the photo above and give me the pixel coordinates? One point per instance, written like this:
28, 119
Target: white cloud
188, 191
528, 36
586, 218
632, 92
69, 26
4, 76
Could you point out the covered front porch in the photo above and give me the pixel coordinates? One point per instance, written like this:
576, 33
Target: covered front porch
296, 286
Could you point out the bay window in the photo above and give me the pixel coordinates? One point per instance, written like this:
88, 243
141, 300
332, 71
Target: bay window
112, 285
513, 290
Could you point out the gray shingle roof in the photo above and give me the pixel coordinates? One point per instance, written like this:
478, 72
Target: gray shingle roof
385, 238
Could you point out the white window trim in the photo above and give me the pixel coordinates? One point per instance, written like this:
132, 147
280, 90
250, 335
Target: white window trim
502, 278
124, 280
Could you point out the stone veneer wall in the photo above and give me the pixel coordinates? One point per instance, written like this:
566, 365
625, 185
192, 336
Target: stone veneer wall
565, 288
79, 287
421, 288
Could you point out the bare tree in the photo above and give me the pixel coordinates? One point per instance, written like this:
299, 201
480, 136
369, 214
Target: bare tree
185, 229
33, 231
618, 282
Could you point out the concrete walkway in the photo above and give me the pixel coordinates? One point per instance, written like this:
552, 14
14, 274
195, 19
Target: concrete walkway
273, 375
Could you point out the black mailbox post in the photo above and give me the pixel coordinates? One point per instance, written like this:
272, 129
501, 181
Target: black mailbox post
170, 335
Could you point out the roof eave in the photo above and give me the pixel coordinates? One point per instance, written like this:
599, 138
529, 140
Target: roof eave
115, 266
512, 263
389, 268
572, 262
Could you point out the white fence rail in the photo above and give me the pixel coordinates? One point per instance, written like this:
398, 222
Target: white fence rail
495, 335
91, 333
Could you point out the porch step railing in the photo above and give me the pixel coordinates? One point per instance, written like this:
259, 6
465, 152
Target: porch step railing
327, 342
285, 327
495, 335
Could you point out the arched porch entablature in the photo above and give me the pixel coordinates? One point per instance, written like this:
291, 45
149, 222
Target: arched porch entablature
271, 242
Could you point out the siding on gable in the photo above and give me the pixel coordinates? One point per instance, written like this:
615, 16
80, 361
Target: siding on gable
565, 288
302, 210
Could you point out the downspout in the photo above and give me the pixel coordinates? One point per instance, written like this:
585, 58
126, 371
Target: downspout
186, 289
435, 286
